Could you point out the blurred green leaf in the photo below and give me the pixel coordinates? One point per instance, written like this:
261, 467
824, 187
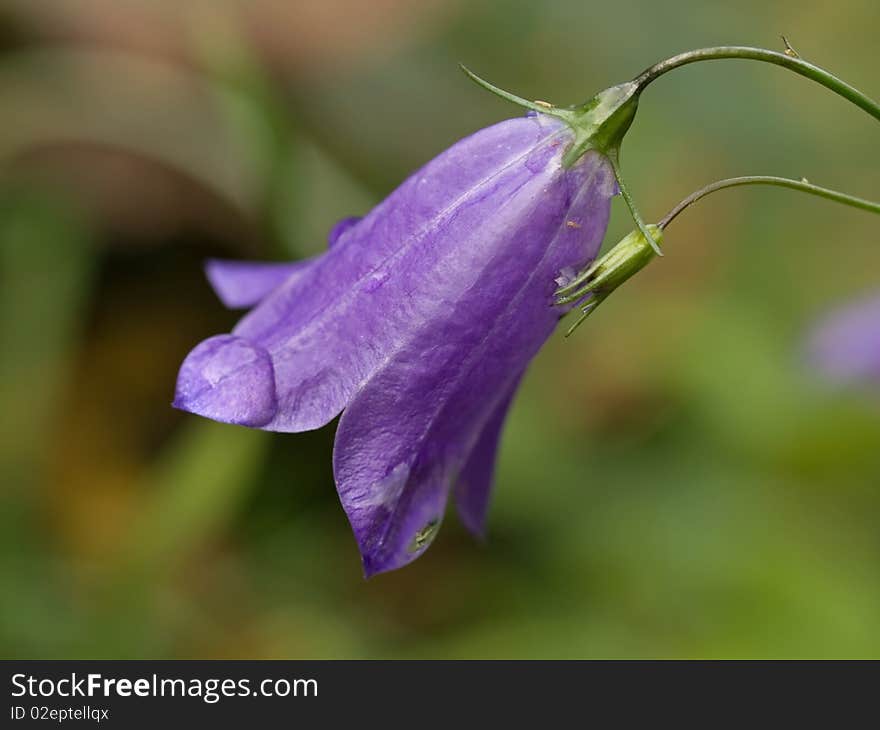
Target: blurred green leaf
46, 270
197, 486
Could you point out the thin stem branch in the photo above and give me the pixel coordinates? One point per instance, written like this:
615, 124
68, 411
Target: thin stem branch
786, 60
782, 182
630, 202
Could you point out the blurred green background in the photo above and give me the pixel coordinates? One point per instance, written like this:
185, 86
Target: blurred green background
673, 481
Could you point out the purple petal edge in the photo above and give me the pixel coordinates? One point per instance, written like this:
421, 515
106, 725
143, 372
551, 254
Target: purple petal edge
243, 284
474, 486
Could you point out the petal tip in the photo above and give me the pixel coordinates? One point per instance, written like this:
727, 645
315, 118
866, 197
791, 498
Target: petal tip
217, 274
228, 379
384, 560
244, 284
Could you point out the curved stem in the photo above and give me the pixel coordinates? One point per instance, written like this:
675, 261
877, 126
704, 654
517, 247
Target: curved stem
787, 60
630, 202
782, 182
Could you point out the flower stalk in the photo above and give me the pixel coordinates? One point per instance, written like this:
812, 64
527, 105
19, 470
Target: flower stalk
802, 185
787, 60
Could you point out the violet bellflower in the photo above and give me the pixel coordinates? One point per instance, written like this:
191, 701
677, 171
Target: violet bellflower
845, 346
419, 321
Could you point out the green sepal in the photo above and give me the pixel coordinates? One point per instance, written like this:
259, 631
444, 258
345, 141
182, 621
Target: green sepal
566, 115
627, 258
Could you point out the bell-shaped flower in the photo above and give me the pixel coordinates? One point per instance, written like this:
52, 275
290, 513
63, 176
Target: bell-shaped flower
418, 322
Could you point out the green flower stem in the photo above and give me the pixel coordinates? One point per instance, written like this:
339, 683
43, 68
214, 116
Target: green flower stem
782, 182
788, 60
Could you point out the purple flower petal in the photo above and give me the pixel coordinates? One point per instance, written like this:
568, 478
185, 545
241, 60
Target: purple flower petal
474, 485
846, 346
243, 284
407, 435
228, 379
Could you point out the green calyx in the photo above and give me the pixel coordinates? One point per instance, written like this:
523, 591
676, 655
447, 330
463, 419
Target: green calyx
599, 124
628, 257
602, 122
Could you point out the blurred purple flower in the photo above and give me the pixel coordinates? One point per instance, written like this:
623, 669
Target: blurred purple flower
846, 345
419, 322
